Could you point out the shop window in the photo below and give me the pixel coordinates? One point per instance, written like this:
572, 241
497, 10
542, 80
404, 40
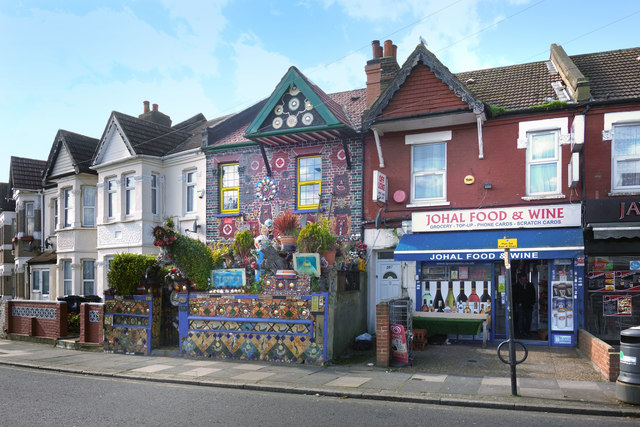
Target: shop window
88, 277
29, 218
66, 200
309, 182
626, 158
229, 188
88, 206
67, 278
154, 194
111, 197
543, 163
190, 191
129, 195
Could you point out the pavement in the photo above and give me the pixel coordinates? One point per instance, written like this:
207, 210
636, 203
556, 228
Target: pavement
552, 379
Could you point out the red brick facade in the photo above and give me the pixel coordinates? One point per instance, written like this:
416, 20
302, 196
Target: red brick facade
605, 358
47, 319
383, 334
91, 318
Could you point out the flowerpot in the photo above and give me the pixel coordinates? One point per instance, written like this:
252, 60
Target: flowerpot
330, 256
288, 241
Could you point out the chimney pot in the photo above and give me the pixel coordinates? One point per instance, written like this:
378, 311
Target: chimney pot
388, 48
155, 107
146, 107
375, 45
394, 51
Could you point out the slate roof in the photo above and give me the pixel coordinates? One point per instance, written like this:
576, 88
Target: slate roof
351, 104
6, 203
81, 149
195, 126
26, 174
613, 75
148, 138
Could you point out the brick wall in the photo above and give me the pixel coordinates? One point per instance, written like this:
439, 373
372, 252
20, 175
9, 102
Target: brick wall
47, 319
383, 334
604, 357
91, 318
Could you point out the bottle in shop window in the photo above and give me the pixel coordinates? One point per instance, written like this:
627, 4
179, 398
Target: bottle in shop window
450, 302
428, 299
474, 299
485, 300
425, 306
438, 302
462, 297
467, 309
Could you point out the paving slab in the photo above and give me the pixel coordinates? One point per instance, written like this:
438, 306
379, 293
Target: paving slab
252, 376
347, 381
461, 385
152, 368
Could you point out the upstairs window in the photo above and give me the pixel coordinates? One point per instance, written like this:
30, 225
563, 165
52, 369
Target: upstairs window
428, 172
29, 219
154, 194
229, 188
309, 182
111, 197
190, 191
543, 163
66, 200
88, 206
626, 158
55, 214
129, 195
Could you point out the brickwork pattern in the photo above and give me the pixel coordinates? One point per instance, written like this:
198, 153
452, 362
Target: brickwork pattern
383, 334
603, 356
91, 319
341, 187
28, 319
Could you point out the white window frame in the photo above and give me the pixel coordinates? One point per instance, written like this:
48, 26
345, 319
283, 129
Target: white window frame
190, 191
615, 159
111, 187
88, 266
55, 214
29, 218
430, 138
88, 211
557, 159
37, 278
611, 120
107, 267
67, 206
154, 194
67, 279
129, 185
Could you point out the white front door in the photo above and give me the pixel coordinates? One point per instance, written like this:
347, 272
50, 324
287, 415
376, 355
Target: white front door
388, 279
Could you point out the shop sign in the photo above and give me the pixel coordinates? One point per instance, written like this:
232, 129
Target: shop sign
562, 339
612, 210
544, 216
399, 351
380, 186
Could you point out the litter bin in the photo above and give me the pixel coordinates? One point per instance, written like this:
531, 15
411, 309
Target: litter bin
92, 298
73, 303
628, 383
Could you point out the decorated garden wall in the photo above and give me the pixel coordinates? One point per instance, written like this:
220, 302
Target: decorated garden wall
131, 324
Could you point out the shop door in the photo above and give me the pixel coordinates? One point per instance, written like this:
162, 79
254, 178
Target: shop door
388, 279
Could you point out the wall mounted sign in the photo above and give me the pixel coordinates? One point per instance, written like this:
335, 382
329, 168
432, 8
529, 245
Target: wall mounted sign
380, 187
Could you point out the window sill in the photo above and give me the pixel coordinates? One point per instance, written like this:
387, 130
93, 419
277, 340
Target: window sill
307, 211
429, 204
624, 193
546, 197
227, 215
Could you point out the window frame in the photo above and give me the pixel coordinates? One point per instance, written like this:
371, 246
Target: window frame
617, 158
29, 218
154, 193
89, 280
55, 214
435, 172
189, 189
39, 273
67, 280
230, 188
300, 184
67, 207
129, 191
86, 207
557, 159
111, 187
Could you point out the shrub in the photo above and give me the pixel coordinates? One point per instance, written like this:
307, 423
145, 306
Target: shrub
195, 259
243, 243
127, 270
73, 321
286, 224
317, 237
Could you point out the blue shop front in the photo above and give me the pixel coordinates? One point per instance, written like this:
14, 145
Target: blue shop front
460, 270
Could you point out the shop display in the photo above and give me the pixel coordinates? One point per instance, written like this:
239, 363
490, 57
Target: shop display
450, 302
562, 306
438, 302
474, 299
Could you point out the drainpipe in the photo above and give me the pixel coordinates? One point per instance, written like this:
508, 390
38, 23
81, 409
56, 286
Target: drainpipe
377, 134
480, 142
42, 238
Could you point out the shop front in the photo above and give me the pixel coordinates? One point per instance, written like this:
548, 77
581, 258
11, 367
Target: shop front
612, 247
460, 270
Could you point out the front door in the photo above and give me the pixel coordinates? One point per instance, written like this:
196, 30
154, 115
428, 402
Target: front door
388, 279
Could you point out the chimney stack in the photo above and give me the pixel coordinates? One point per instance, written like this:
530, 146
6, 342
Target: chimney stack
381, 69
146, 107
155, 107
154, 116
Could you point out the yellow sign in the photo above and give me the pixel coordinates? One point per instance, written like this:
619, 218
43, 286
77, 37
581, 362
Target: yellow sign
507, 243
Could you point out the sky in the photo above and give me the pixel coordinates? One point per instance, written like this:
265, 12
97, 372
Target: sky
67, 64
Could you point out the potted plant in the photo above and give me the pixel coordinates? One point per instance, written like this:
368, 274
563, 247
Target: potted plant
287, 228
317, 237
243, 244
329, 244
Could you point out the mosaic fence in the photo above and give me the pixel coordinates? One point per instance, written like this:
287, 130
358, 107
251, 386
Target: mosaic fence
131, 325
276, 328
37, 312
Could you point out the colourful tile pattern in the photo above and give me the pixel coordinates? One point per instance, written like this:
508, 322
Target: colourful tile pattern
130, 323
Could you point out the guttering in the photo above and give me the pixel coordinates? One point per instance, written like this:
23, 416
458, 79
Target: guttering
231, 146
376, 135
